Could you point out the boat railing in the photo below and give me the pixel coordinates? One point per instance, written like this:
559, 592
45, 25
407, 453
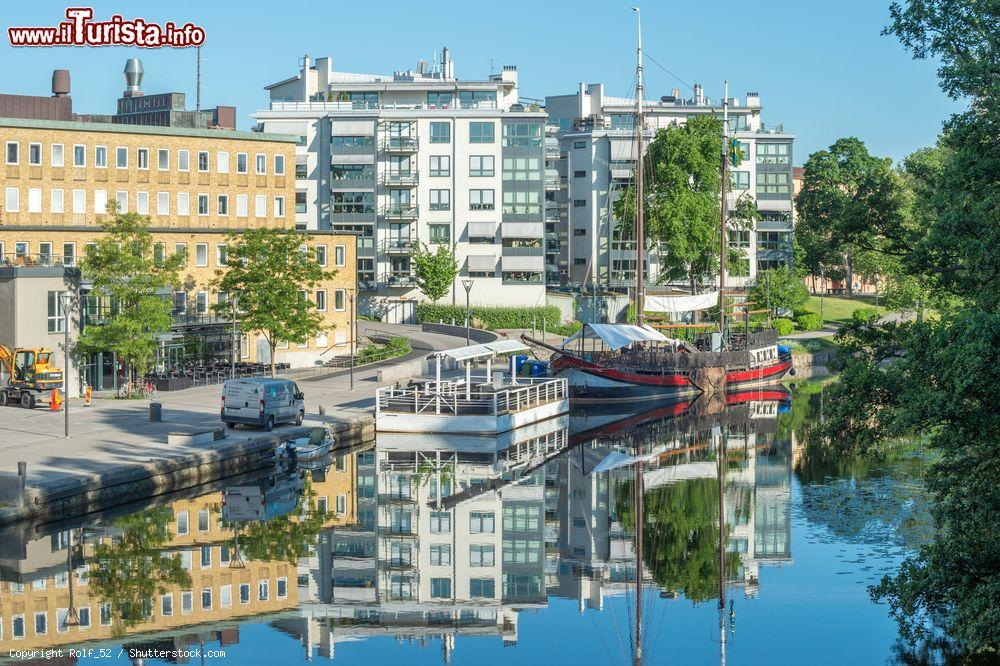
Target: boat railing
455, 398
642, 359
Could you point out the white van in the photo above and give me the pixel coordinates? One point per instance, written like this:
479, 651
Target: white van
262, 402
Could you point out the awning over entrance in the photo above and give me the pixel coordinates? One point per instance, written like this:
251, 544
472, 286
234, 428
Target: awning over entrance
616, 336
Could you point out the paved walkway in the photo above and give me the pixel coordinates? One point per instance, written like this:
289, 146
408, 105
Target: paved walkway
118, 432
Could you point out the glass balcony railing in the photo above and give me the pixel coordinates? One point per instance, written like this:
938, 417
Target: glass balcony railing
400, 212
400, 178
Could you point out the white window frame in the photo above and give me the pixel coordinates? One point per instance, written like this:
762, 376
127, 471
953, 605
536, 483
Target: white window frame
100, 196
242, 205
121, 199
279, 207
204, 197
97, 150
12, 195
138, 159
279, 160
321, 296
79, 202
118, 165
260, 205
246, 163
198, 248
258, 160
57, 200
61, 162
82, 152
183, 204
6, 153
34, 200
321, 260
165, 601
222, 161
219, 209
341, 295
30, 145
142, 203
160, 152
186, 155
208, 161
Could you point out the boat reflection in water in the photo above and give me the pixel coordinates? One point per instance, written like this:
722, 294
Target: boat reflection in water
428, 539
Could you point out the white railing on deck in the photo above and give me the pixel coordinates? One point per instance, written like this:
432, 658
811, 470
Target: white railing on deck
452, 398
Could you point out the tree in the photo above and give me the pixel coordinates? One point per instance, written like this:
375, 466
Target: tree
435, 271
129, 272
849, 200
683, 204
268, 270
779, 287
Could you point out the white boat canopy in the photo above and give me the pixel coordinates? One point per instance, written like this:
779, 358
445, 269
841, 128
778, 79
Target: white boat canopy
678, 304
487, 350
616, 336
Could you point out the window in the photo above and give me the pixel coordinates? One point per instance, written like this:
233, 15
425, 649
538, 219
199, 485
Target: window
579, 261
206, 551
183, 203
772, 183
84, 615
34, 200
159, 253
440, 522
279, 206
481, 556
279, 165
522, 168
320, 253
203, 161
481, 165
282, 588
739, 180
260, 205
301, 204
473, 99
221, 254
623, 121
41, 623
206, 598
58, 157
366, 140
773, 153
121, 157
440, 199
241, 162
481, 522
339, 255
441, 555
79, 156
142, 158
17, 626
225, 596
56, 314
579, 174
439, 233
579, 203
522, 135
13, 152
183, 160
201, 254
142, 203
245, 593
349, 202
204, 520
203, 204
579, 232
437, 100
163, 159
35, 154
579, 144
182, 523
57, 201
100, 202
440, 588
121, 201
61, 615
481, 132
440, 132
181, 248
163, 203
69, 254
187, 601
440, 165
263, 590
180, 307
481, 200
242, 204
260, 164
12, 200
341, 504
222, 162
223, 204
321, 300
339, 300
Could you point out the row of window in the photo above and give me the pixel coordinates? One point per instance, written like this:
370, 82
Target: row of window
401, 586
201, 301
767, 183
522, 135
207, 598
517, 203
78, 203
139, 158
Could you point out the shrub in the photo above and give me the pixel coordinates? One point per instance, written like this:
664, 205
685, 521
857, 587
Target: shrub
565, 330
864, 316
491, 318
783, 326
798, 312
809, 321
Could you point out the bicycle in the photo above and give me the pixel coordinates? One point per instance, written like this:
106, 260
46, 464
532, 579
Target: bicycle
138, 390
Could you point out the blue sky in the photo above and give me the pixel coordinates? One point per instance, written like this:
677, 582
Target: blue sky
822, 69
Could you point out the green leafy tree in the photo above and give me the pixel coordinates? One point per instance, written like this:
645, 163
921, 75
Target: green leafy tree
129, 275
130, 568
780, 287
267, 271
683, 204
435, 271
850, 204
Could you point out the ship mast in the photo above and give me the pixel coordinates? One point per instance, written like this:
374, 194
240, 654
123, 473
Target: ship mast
723, 241
640, 288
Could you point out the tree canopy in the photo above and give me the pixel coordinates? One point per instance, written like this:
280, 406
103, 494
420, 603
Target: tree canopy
435, 271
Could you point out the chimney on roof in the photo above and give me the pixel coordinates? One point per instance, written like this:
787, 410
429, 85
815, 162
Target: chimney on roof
447, 65
133, 78
60, 83
699, 94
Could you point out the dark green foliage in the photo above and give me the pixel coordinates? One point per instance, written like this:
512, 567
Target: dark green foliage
781, 288
864, 316
394, 348
491, 318
809, 321
435, 271
783, 326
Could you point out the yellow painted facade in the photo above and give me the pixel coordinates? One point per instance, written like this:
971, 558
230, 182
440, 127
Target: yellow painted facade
196, 186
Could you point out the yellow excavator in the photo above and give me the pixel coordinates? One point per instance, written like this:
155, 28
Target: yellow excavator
27, 376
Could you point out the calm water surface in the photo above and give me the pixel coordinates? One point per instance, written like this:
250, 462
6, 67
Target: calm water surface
458, 549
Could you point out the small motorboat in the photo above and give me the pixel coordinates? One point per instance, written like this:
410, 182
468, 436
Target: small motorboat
317, 445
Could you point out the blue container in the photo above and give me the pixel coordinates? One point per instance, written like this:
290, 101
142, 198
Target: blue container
519, 362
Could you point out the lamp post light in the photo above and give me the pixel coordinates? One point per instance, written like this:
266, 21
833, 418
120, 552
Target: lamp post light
468, 310
232, 355
66, 303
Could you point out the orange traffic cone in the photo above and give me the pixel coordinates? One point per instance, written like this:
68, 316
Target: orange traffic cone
55, 402
86, 396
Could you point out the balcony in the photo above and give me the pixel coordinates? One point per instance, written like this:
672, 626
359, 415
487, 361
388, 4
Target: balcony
396, 498
400, 178
551, 180
352, 218
397, 531
400, 212
358, 148
352, 184
522, 230
523, 259
400, 144
398, 245
397, 279
396, 565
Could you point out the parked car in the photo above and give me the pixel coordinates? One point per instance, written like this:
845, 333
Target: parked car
262, 402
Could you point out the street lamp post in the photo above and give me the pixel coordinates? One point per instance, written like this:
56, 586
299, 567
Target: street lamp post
468, 310
232, 355
353, 324
66, 302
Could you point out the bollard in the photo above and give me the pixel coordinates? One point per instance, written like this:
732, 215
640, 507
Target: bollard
22, 469
86, 395
155, 412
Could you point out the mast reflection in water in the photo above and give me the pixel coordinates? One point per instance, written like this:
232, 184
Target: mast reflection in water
441, 548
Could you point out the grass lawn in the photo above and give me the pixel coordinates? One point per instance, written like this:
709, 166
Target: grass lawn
838, 309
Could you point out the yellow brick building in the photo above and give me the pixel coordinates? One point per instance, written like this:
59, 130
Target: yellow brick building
196, 186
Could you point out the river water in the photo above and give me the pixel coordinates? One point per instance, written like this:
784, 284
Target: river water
457, 549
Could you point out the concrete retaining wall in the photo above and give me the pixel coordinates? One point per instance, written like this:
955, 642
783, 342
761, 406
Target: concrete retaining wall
477, 335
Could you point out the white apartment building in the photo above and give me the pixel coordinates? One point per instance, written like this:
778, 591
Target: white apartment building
420, 156
598, 157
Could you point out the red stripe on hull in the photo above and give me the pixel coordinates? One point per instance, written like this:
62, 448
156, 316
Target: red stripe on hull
677, 380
